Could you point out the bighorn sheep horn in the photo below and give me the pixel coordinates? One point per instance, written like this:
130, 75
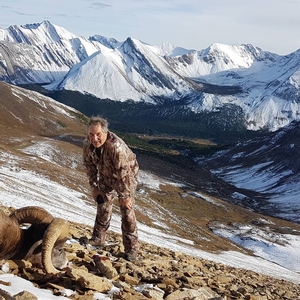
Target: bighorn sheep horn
32, 215
55, 234
51, 232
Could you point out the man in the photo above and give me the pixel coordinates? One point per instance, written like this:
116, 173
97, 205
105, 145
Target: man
112, 170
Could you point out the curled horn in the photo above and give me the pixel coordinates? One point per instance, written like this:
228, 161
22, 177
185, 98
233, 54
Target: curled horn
57, 231
32, 215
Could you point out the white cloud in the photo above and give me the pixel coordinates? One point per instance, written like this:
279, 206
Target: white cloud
268, 24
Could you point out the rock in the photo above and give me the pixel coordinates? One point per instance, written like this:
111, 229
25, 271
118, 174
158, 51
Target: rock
5, 283
25, 295
90, 281
88, 295
16, 264
153, 293
224, 279
130, 279
104, 265
4, 295
203, 293
170, 281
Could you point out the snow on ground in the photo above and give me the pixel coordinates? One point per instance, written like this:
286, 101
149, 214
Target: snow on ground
19, 284
276, 255
285, 197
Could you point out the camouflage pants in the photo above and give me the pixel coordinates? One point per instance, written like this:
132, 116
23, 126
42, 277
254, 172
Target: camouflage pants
129, 226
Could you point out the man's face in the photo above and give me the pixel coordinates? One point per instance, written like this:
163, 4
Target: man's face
96, 135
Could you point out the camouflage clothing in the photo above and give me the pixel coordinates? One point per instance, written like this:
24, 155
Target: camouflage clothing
113, 169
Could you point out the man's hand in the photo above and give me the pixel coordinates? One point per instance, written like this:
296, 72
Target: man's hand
125, 203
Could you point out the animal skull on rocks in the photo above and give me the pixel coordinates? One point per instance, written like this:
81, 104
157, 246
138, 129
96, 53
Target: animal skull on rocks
41, 243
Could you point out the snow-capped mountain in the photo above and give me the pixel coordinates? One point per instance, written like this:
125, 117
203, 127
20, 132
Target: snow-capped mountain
132, 71
39, 53
263, 84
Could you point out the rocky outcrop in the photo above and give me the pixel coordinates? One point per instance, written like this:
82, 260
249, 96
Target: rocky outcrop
158, 273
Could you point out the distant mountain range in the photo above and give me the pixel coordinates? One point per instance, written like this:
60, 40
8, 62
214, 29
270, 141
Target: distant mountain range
262, 87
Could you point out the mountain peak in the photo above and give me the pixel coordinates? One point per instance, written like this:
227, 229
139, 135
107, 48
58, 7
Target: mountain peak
131, 43
34, 26
35, 34
270, 82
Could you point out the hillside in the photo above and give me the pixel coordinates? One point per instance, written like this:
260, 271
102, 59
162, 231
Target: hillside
158, 274
180, 203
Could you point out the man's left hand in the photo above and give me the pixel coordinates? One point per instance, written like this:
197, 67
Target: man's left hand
126, 203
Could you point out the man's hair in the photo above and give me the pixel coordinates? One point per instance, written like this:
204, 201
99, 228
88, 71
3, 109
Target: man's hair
98, 121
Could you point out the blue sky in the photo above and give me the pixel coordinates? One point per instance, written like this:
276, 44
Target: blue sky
193, 24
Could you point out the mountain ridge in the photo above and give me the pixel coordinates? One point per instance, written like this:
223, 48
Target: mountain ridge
268, 83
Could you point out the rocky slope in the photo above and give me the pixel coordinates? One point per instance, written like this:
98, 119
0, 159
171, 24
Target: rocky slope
158, 273
40, 136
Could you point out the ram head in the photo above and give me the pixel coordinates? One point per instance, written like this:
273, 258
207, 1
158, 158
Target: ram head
41, 243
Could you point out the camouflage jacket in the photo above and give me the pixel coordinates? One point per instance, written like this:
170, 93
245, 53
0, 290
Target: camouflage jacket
113, 166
